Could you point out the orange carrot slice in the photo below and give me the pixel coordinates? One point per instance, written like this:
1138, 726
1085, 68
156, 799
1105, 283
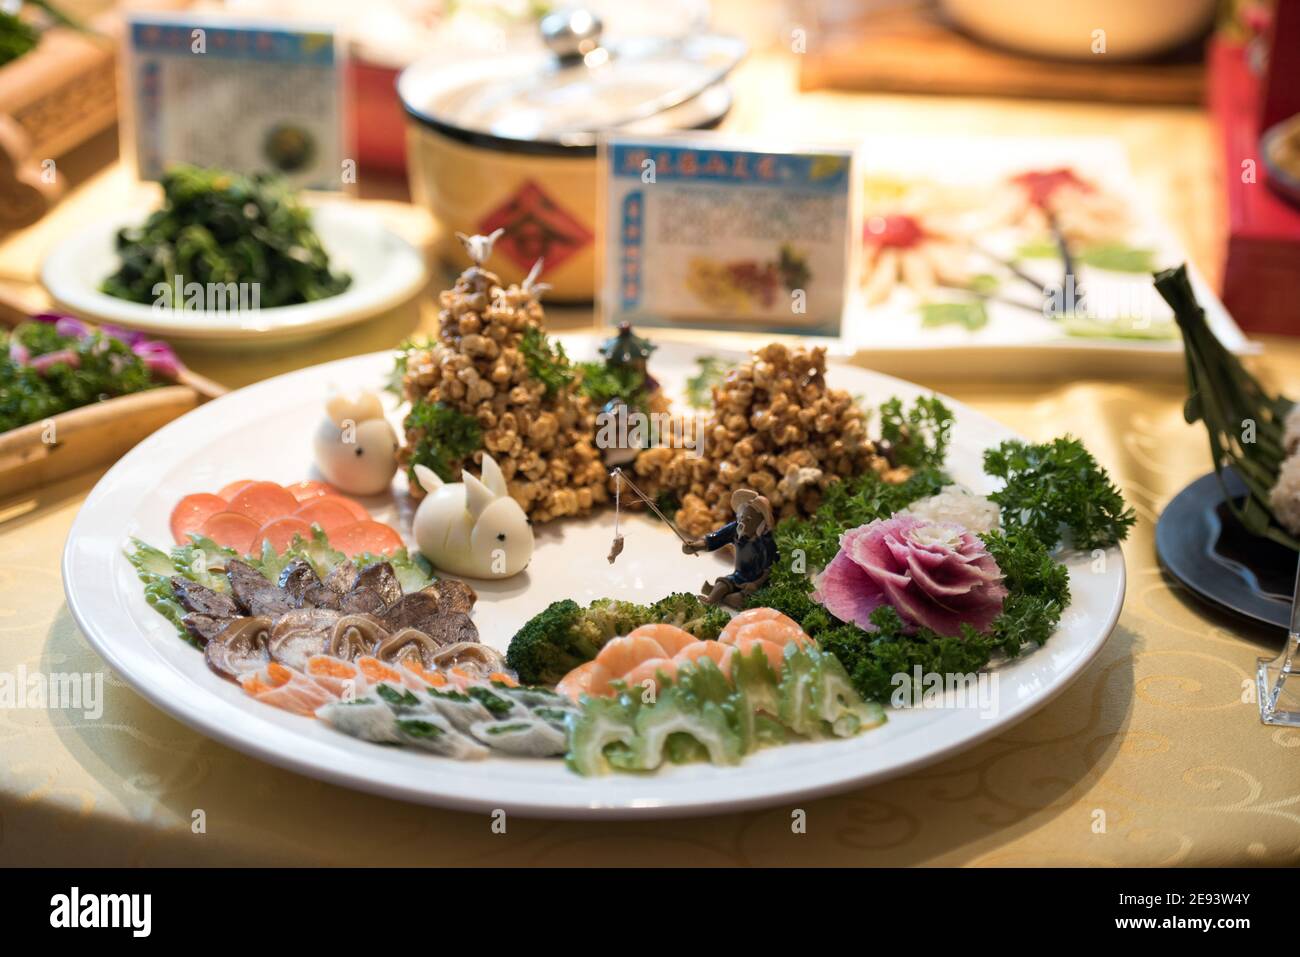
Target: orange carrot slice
328, 512
231, 530
263, 502
308, 489
232, 489
192, 511
375, 671
280, 533
360, 537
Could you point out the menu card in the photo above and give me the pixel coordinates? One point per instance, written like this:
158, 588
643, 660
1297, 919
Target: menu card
711, 232
255, 97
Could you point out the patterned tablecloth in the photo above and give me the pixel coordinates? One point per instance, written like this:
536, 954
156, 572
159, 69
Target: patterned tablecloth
1155, 755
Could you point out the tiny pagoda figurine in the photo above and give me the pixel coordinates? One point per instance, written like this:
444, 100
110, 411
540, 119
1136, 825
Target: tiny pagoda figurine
751, 534
627, 350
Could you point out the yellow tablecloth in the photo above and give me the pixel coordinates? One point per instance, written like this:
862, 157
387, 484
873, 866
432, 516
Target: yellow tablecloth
1154, 756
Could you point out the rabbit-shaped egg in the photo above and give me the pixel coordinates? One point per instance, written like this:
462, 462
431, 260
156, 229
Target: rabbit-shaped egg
356, 446
472, 527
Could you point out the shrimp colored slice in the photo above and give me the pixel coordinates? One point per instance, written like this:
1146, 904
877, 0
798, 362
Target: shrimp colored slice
309, 489
192, 511
661, 671
231, 489
591, 679
263, 502
370, 537
670, 638
749, 616
231, 530
779, 631
621, 655
718, 652
281, 532
327, 511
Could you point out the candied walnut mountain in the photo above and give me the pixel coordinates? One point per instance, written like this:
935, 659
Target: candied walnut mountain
542, 439
776, 427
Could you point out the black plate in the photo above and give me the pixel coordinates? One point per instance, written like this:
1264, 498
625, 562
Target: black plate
1203, 545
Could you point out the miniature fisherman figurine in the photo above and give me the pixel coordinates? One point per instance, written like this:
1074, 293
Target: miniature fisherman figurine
751, 534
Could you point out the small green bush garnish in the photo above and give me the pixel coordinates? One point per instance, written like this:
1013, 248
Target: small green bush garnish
444, 437
917, 437
1058, 485
699, 387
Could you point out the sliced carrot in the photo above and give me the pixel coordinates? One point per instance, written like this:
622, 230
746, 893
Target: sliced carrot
309, 489
263, 502
361, 537
192, 511
231, 530
232, 489
253, 684
328, 512
504, 678
281, 532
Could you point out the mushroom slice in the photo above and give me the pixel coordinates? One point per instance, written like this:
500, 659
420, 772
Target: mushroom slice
454, 595
304, 586
471, 656
450, 628
301, 633
407, 643
241, 647
381, 579
354, 636
254, 593
201, 600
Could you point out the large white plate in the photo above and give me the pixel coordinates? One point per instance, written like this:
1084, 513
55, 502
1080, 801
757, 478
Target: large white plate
386, 271
264, 431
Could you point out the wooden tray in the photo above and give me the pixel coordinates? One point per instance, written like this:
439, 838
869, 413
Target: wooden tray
913, 50
81, 439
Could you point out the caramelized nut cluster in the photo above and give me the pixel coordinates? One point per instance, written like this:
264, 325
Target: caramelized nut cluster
543, 443
776, 428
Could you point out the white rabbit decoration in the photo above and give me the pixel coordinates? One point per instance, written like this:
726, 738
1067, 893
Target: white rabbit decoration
472, 527
356, 446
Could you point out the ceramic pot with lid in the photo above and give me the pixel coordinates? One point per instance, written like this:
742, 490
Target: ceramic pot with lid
510, 141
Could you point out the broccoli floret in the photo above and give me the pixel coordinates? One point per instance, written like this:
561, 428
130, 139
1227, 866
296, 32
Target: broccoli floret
565, 635
690, 613
550, 644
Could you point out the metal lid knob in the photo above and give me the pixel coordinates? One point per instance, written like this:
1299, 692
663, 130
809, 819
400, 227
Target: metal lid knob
571, 34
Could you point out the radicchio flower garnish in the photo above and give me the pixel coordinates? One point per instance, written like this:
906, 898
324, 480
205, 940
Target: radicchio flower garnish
935, 575
158, 358
47, 360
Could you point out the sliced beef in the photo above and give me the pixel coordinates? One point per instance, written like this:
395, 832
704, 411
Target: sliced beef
254, 594
341, 578
201, 600
454, 595
363, 601
304, 586
381, 579
451, 627
415, 610
205, 627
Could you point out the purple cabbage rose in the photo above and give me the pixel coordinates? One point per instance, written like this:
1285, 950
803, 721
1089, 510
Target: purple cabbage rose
936, 575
